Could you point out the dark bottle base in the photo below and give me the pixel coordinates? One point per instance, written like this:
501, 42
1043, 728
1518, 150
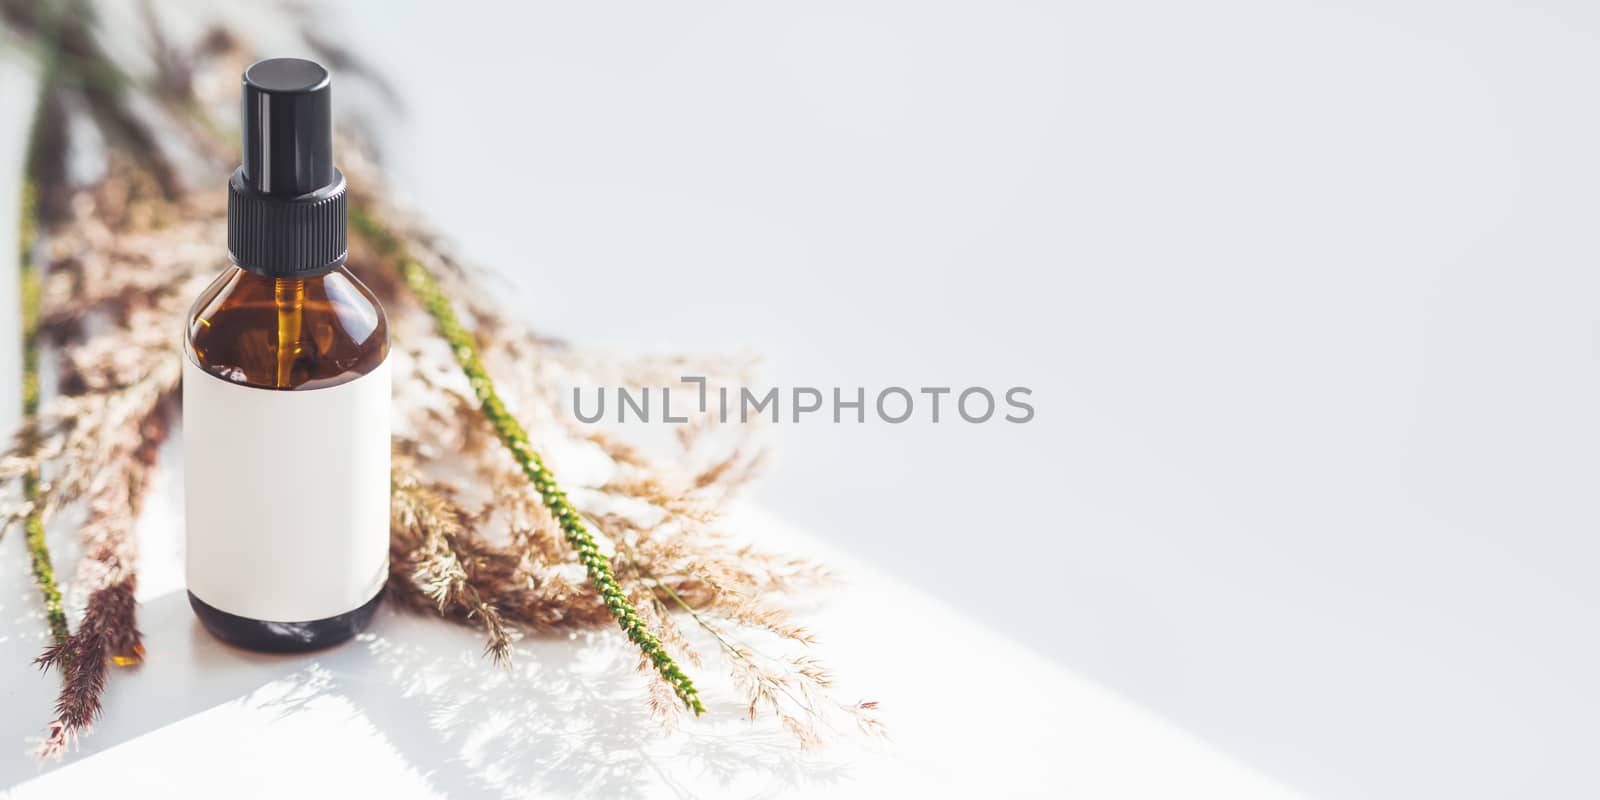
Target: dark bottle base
284, 637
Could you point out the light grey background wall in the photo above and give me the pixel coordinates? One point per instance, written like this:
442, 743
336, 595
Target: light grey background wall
1305, 292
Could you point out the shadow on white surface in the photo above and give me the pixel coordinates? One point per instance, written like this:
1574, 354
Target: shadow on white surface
412, 709
567, 717
173, 685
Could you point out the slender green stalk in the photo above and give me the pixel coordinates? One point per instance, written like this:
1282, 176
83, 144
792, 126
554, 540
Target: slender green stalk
30, 288
511, 434
33, 525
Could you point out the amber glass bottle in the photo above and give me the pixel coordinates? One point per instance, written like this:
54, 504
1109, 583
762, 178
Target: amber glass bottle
294, 334
286, 394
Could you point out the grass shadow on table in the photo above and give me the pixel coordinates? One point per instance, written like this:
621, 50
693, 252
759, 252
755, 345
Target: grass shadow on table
570, 718
185, 672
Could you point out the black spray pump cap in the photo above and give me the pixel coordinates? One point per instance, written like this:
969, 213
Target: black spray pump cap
287, 207
288, 127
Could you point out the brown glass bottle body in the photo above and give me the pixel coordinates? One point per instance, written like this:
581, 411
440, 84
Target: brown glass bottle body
290, 334
301, 334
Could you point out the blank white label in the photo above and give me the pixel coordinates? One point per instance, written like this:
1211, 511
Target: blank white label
286, 495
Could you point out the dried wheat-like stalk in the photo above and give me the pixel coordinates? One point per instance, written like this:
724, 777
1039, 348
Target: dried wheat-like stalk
109, 631
120, 378
435, 553
104, 446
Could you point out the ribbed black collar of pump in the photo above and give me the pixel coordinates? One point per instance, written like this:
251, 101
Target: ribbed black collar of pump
287, 204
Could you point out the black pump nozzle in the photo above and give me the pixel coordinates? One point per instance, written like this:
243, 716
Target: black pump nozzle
286, 202
288, 127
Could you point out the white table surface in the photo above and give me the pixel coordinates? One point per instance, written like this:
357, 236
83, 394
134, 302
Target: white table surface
409, 709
